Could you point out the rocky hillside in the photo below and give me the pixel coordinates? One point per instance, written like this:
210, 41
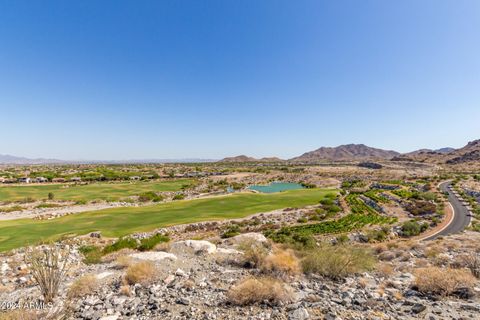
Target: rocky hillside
246, 277
349, 152
469, 153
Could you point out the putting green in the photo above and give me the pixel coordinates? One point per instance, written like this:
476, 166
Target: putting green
117, 222
105, 191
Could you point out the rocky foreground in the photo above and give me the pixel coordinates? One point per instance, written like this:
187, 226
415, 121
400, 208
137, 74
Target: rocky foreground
196, 279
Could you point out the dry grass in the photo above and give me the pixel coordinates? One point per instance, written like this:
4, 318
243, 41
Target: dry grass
470, 261
256, 290
20, 314
125, 290
281, 263
385, 270
141, 272
162, 246
253, 253
432, 252
443, 281
123, 262
337, 262
83, 286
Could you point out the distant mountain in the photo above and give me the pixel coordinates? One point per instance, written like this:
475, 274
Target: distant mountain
346, 152
244, 158
445, 150
469, 153
8, 159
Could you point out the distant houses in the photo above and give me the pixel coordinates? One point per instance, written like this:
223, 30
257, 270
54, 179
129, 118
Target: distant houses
24, 180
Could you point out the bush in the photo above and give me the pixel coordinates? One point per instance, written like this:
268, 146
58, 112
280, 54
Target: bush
253, 253
443, 281
120, 244
232, 231
281, 263
150, 196
83, 286
149, 243
51, 196
91, 254
413, 228
48, 267
257, 290
141, 272
179, 196
337, 262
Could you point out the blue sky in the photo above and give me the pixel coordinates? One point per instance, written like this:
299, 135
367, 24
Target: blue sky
208, 79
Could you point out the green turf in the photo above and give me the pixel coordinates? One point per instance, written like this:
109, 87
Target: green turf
117, 222
94, 191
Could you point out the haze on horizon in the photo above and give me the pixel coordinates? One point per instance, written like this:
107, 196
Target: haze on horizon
209, 79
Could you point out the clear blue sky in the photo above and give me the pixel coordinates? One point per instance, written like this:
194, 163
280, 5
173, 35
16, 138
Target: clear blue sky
182, 79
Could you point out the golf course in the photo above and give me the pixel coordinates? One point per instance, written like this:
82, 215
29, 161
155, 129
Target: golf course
88, 192
117, 222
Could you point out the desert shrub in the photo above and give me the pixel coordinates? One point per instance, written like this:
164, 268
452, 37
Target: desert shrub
378, 235
149, 243
337, 262
91, 254
179, 196
142, 272
302, 220
48, 267
149, 196
232, 231
412, 228
385, 270
257, 290
470, 261
50, 196
83, 286
11, 209
120, 244
442, 281
419, 207
253, 253
282, 263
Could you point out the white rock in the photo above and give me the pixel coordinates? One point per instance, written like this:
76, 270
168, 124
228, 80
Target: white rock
180, 273
112, 317
246, 237
198, 246
5, 267
103, 275
154, 256
169, 279
228, 251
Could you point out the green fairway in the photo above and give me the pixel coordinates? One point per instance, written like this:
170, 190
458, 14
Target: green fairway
94, 191
121, 221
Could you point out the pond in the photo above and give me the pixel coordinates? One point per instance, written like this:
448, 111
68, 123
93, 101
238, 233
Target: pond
276, 187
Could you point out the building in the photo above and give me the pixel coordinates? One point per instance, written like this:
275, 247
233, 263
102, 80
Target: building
24, 180
41, 179
75, 179
58, 180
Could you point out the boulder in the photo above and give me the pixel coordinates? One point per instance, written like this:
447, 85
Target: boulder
154, 256
197, 246
247, 237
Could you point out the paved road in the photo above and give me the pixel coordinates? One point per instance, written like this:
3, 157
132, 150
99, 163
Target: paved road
461, 217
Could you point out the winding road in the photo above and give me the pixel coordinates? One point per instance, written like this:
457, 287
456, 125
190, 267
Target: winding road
461, 215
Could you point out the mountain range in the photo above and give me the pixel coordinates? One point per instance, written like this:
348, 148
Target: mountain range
348, 152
